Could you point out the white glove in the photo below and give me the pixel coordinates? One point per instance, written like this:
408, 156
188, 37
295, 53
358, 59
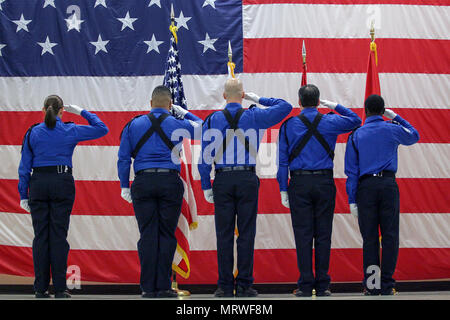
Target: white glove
24, 205
209, 196
328, 104
252, 97
388, 113
71, 108
126, 195
284, 199
179, 111
354, 210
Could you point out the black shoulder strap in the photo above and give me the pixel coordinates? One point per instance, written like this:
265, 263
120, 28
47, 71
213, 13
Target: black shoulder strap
351, 138
155, 127
127, 125
312, 131
27, 136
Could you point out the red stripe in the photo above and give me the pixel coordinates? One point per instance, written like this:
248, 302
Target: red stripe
103, 197
270, 266
432, 124
346, 55
353, 2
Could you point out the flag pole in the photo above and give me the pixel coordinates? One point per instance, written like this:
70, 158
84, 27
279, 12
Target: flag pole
304, 80
231, 64
173, 29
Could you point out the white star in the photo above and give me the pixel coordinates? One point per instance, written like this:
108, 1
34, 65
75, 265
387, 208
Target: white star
47, 46
74, 23
1, 47
182, 21
209, 3
1, 1
127, 22
49, 3
22, 24
153, 44
100, 44
100, 2
156, 2
208, 43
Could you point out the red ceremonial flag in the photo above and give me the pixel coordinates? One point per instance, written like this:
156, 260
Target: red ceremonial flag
372, 80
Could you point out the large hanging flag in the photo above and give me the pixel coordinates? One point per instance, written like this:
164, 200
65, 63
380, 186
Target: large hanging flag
188, 216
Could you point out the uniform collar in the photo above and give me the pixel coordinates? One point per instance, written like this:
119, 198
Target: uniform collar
58, 119
233, 105
309, 110
159, 110
374, 119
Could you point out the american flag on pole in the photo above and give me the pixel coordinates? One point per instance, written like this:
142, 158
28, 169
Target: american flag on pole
188, 217
107, 56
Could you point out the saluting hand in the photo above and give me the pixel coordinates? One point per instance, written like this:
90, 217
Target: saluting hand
328, 104
285, 199
252, 97
126, 195
71, 108
354, 210
209, 196
24, 205
388, 113
178, 111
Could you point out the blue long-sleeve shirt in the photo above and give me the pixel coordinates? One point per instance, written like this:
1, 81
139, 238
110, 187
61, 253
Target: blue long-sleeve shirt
154, 153
44, 147
313, 156
373, 148
253, 122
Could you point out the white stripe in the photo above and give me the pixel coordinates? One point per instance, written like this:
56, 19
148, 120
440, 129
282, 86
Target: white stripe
99, 163
345, 21
204, 92
274, 231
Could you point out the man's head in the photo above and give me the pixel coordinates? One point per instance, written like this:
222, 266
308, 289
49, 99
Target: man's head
234, 91
309, 96
374, 105
161, 98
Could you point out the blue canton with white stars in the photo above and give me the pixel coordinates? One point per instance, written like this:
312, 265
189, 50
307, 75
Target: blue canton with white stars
172, 77
117, 37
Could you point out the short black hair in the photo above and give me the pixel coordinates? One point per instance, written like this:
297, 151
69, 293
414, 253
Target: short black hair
161, 96
309, 95
374, 104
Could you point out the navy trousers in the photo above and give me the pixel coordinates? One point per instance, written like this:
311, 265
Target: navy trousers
312, 202
235, 195
51, 200
378, 203
157, 199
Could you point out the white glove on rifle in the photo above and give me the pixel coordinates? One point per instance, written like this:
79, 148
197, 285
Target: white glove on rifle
209, 196
24, 205
388, 113
252, 97
354, 210
71, 108
179, 111
126, 195
328, 104
284, 199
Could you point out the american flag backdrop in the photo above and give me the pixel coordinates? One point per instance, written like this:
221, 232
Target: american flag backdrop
108, 55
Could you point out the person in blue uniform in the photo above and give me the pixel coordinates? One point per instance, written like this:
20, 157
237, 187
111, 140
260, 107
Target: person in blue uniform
236, 185
49, 192
306, 149
373, 195
154, 142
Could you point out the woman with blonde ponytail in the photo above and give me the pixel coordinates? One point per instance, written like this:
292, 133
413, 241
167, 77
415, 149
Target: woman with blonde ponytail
47, 188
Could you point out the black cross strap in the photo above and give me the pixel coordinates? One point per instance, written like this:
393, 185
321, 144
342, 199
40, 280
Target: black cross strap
233, 123
155, 127
312, 131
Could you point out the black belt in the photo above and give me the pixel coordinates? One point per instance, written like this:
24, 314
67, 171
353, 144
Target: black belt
53, 169
301, 172
154, 170
387, 174
237, 168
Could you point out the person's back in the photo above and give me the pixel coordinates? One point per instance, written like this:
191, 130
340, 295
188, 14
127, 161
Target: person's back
373, 194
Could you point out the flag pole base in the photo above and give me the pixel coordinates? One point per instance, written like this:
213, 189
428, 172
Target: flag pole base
181, 293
